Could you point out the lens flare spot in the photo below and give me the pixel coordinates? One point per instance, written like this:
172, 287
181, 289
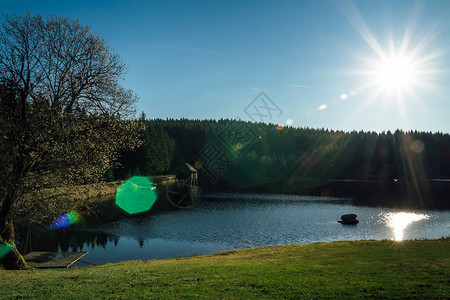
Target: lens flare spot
344, 96
136, 195
322, 107
238, 146
65, 220
417, 146
289, 122
5, 248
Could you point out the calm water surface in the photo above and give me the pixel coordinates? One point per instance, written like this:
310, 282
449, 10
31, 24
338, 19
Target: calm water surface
239, 221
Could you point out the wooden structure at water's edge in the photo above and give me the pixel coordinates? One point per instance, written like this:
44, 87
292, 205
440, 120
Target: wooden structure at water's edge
52, 260
177, 192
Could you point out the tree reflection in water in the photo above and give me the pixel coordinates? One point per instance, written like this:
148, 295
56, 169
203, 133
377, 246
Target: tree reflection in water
69, 240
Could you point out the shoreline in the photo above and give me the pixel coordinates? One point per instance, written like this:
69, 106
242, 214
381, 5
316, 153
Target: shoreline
345, 269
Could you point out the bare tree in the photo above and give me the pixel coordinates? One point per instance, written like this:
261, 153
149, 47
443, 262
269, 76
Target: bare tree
64, 116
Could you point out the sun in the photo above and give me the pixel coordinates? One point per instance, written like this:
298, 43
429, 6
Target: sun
396, 73
400, 69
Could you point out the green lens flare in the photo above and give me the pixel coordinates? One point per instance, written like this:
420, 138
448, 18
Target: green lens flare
5, 248
136, 195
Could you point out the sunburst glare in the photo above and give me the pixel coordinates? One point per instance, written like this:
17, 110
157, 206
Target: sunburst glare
404, 69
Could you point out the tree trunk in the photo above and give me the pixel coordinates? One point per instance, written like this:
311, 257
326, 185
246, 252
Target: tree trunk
13, 260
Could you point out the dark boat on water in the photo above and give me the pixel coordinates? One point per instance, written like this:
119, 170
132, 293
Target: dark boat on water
349, 219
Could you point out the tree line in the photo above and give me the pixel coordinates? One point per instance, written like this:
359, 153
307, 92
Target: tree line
248, 151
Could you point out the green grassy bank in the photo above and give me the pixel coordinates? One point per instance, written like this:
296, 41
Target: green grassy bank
84, 192
380, 269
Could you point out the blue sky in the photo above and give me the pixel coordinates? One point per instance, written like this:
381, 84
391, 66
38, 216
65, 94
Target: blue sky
314, 59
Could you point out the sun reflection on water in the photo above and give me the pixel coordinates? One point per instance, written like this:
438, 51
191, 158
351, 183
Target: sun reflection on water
399, 221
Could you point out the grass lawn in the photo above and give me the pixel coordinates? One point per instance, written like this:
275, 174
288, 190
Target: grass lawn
374, 269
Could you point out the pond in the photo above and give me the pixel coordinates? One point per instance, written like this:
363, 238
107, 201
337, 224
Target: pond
238, 221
